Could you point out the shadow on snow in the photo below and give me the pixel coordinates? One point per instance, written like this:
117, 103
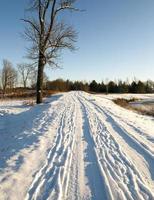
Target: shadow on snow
92, 171
22, 130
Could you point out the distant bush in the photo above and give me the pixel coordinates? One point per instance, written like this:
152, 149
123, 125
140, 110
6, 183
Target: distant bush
24, 93
121, 102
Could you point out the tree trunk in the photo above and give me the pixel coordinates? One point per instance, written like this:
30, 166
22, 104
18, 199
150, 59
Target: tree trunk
25, 85
4, 91
39, 91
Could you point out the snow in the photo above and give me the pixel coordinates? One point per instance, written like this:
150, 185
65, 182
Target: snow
76, 146
13, 107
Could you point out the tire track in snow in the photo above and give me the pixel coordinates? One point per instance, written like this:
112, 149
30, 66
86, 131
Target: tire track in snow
123, 178
77, 186
121, 129
51, 182
146, 140
143, 135
116, 122
97, 183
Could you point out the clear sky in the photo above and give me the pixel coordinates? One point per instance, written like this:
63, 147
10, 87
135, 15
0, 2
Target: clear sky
116, 39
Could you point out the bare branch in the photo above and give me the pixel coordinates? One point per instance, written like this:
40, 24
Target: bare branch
32, 24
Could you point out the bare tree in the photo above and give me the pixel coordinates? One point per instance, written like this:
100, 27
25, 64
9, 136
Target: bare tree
25, 70
33, 78
8, 76
13, 78
48, 35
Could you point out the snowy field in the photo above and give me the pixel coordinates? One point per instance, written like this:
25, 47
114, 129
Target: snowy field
76, 146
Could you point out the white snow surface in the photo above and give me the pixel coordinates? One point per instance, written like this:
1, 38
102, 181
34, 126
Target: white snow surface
76, 146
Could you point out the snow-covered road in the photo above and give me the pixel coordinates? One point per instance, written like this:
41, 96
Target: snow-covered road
75, 146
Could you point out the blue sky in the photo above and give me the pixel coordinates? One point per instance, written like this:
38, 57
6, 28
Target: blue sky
115, 41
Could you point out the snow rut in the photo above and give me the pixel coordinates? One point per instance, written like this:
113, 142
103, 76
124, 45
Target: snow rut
122, 179
130, 134
145, 140
51, 182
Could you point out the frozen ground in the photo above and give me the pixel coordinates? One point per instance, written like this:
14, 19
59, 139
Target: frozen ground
76, 146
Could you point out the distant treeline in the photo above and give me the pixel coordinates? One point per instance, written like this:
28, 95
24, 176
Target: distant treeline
109, 87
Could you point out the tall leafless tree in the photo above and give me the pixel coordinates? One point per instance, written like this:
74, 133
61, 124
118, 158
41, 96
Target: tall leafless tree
48, 34
25, 70
8, 75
